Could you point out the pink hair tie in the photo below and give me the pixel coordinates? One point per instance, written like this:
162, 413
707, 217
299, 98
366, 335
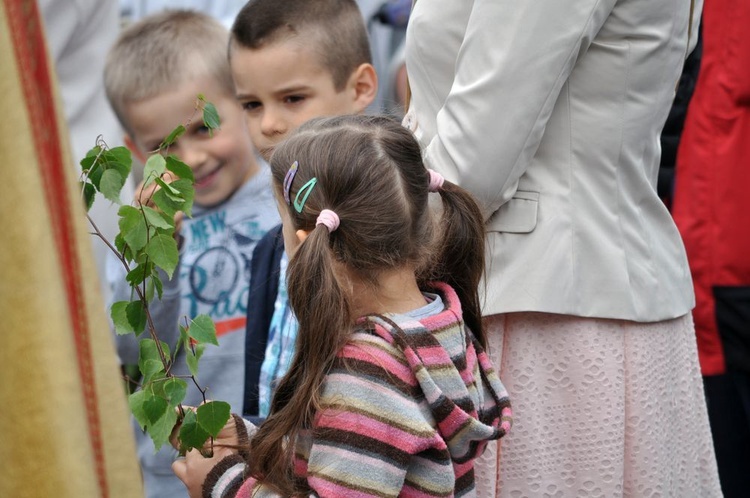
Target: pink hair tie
436, 181
329, 219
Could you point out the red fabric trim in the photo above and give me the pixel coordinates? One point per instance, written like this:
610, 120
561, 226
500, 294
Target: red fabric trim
226, 326
26, 30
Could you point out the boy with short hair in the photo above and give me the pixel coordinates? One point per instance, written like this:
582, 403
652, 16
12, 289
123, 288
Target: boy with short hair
291, 61
153, 76
296, 60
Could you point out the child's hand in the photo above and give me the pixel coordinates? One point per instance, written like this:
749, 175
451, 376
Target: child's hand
194, 467
143, 196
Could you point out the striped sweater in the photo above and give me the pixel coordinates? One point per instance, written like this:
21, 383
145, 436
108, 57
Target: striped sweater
406, 409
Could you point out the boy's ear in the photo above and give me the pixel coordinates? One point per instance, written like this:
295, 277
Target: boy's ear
130, 144
364, 83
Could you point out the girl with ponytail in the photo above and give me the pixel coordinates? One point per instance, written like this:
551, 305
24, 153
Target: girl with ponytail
390, 392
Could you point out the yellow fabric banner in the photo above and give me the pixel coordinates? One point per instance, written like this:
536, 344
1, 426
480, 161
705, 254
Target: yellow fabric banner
64, 421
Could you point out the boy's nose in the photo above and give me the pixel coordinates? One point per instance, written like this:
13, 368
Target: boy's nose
272, 123
194, 157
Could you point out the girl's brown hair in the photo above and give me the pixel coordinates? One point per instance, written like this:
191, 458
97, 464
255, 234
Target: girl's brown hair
369, 171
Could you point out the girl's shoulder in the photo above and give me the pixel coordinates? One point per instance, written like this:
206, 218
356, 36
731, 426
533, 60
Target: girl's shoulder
373, 363
369, 342
368, 354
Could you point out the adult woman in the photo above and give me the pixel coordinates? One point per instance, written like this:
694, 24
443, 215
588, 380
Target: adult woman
549, 113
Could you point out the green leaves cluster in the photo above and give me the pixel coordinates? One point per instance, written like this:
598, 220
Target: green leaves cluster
146, 245
156, 405
146, 238
105, 171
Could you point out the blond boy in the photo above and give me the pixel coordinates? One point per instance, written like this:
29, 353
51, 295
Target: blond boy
153, 76
291, 61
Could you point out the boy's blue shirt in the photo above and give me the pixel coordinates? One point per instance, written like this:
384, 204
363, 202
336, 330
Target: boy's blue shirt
213, 277
280, 347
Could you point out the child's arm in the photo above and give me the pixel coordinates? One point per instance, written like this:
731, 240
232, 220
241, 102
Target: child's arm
365, 435
222, 474
370, 426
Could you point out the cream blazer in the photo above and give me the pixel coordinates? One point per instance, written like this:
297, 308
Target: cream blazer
549, 112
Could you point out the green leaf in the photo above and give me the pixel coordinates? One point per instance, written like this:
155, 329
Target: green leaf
203, 330
210, 116
117, 159
155, 408
89, 193
150, 368
175, 390
95, 170
162, 429
192, 356
213, 416
179, 168
158, 285
148, 350
165, 203
173, 192
133, 227
149, 361
153, 284
120, 244
184, 336
138, 275
172, 137
119, 315
187, 192
135, 401
192, 435
142, 259
170, 203
155, 166
136, 315
156, 384
162, 249
111, 184
120, 158
156, 219
89, 159
86, 164
150, 289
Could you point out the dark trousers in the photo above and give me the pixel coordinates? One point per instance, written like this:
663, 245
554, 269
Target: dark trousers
728, 401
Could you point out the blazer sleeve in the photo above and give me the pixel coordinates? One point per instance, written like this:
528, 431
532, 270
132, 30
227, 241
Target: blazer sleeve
512, 64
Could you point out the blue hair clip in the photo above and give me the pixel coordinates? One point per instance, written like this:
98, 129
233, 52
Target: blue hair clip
288, 179
304, 191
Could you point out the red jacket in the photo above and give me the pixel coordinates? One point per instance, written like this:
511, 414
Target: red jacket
712, 191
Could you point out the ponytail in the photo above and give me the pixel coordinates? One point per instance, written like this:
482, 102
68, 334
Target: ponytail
324, 315
460, 252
